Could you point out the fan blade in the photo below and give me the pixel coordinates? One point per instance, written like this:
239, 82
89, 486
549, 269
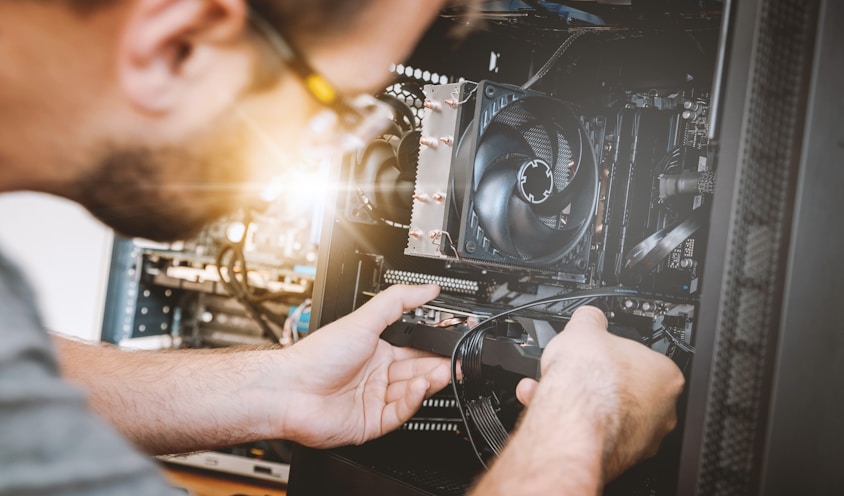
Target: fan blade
544, 117
408, 154
494, 193
385, 184
379, 179
561, 199
578, 193
374, 158
497, 141
530, 237
646, 255
403, 118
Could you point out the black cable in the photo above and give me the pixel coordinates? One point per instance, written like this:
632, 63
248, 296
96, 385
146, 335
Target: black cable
670, 160
543, 71
479, 331
236, 283
458, 397
236, 288
650, 252
491, 426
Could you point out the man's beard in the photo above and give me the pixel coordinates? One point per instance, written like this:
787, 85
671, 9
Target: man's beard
163, 194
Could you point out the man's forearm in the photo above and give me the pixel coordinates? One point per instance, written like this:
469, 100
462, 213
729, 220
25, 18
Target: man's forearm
556, 449
178, 401
530, 466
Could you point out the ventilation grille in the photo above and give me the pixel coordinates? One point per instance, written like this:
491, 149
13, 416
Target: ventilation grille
408, 86
749, 311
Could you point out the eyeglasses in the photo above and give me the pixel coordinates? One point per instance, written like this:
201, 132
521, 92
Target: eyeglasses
345, 123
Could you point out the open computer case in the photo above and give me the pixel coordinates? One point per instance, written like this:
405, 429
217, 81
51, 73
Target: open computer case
679, 164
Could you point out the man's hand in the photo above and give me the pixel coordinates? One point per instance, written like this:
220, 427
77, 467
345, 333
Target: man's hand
349, 386
603, 404
339, 386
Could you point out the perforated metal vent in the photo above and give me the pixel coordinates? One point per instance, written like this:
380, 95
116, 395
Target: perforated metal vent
408, 86
749, 312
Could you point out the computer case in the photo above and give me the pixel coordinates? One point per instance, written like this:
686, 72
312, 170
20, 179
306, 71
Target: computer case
762, 408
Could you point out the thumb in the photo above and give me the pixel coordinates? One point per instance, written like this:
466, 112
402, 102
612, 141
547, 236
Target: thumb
525, 390
587, 317
387, 306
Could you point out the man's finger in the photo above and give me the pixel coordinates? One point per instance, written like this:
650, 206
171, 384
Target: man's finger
401, 370
387, 306
437, 375
399, 411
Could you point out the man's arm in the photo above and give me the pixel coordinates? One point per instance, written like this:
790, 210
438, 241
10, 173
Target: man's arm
342, 385
177, 401
603, 404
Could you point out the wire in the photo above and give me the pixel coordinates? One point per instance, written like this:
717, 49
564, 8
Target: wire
290, 332
235, 280
456, 96
543, 71
458, 258
671, 338
367, 204
670, 160
238, 288
651, 251
470, 346
470, 341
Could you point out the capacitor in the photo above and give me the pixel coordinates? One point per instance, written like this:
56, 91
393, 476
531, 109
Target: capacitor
630, 304
691, 105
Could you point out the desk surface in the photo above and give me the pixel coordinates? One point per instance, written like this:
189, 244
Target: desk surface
204, 483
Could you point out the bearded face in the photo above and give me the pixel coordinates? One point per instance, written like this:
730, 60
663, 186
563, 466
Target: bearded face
186, 117
167, 193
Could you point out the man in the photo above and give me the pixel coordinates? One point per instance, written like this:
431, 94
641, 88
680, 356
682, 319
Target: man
157, 115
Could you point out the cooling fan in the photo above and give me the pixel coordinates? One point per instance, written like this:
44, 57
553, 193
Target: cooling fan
527, 180
385, 169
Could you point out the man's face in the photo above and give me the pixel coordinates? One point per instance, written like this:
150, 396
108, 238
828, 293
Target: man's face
196, 121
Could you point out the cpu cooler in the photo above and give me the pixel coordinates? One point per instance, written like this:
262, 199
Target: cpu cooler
525, 182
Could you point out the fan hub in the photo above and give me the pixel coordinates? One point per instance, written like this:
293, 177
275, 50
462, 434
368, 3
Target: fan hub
535, 181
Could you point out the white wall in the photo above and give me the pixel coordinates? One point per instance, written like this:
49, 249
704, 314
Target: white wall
65, 253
